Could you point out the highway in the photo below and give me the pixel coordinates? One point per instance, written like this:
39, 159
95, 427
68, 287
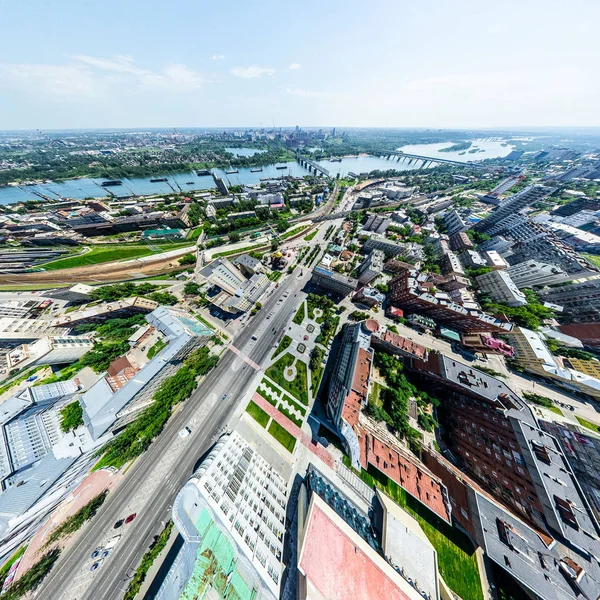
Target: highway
156, 477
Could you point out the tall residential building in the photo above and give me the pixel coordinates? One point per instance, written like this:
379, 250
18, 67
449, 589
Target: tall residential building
513, 204
107, 310
371, 267
501, 288
231, 516
220, 185
376, 223
536, 274
409, 291
460, 241
580, 301
378, 242
518, 228
455, 223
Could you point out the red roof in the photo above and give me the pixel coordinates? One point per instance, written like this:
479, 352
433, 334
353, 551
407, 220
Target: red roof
372, 325
360, 388
338, 568
395, 312
404, 344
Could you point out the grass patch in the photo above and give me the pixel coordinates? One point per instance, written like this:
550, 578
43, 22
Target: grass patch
239, 250
588, 424
257, 413
20, 378
299, 386
315, 378
286, 439
375, 395
299, 316
97, 256
283, 345
289, 234
290, 415
311, 235
10, 562
32, 287
275, 275
592, 258
160, 344
556, 410
75, 522
456, 555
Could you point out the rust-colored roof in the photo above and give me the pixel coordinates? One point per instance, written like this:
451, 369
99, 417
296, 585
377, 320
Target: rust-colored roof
338, 566
404, 344
118, 365
360, 388
119, 372
409, 474
372, 325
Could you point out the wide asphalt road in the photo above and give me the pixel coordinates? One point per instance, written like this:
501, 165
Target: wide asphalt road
232, 376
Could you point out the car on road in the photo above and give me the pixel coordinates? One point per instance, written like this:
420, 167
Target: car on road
105, 553
112, 542
225, 397
130, 518
254, 338
96, 552
95, 566
185, 432
118, 524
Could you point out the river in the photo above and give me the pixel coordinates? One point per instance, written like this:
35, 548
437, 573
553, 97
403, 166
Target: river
190, 182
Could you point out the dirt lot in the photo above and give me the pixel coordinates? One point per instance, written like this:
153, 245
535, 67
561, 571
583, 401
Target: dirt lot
113, 271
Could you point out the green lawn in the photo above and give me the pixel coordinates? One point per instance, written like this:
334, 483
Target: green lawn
156, 349
275, 275
299, 316
311, 235
315, 378
375, 395
257, 413
556, 410
456, 555
238, 251
299, 386
588, 424
286, 439
283, 345
98, 255
593, 258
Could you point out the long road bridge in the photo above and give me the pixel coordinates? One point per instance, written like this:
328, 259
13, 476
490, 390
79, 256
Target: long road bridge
426, 160
312, 166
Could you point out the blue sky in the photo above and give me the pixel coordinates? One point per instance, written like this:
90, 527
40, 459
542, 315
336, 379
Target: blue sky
437, 63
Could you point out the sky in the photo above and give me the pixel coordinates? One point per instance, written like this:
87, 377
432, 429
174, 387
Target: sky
190, 63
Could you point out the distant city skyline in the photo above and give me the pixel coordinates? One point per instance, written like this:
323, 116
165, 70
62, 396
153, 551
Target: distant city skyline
389, 64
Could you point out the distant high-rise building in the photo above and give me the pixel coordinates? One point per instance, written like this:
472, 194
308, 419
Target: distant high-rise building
220, 185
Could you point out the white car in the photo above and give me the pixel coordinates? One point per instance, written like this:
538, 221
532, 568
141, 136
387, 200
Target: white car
185, 432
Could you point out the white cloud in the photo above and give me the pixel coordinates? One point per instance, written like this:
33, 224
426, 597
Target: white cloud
218, 56
121, 63
295, 66
251, 72
307, 93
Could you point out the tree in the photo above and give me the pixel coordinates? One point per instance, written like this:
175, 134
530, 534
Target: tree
191, 288
282, 225
163, 298
234, 236
187, 259
71, 416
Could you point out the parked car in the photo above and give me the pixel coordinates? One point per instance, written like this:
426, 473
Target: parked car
118, 524
130, 518
96, 552
105, 553
95, 566
185, 432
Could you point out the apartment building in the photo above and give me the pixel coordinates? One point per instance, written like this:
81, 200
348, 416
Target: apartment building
533, 273
460, 241
501, 288
333, 282
454, 223
580, 301
371, 267
378, 242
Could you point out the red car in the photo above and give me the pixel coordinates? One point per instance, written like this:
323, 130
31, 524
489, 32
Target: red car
130, 518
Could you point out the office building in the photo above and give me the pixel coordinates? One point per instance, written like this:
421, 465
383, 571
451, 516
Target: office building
48, 351
533, 273
454, 223
587, 333
233, 292
501, 288
223, 202
513, 204
498, 243
231, 516
580, 301
20, 309
331, 281
17, 331
533, 355
124, 391
248, 265
371, 267
369, 297
77, 294
413, 294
